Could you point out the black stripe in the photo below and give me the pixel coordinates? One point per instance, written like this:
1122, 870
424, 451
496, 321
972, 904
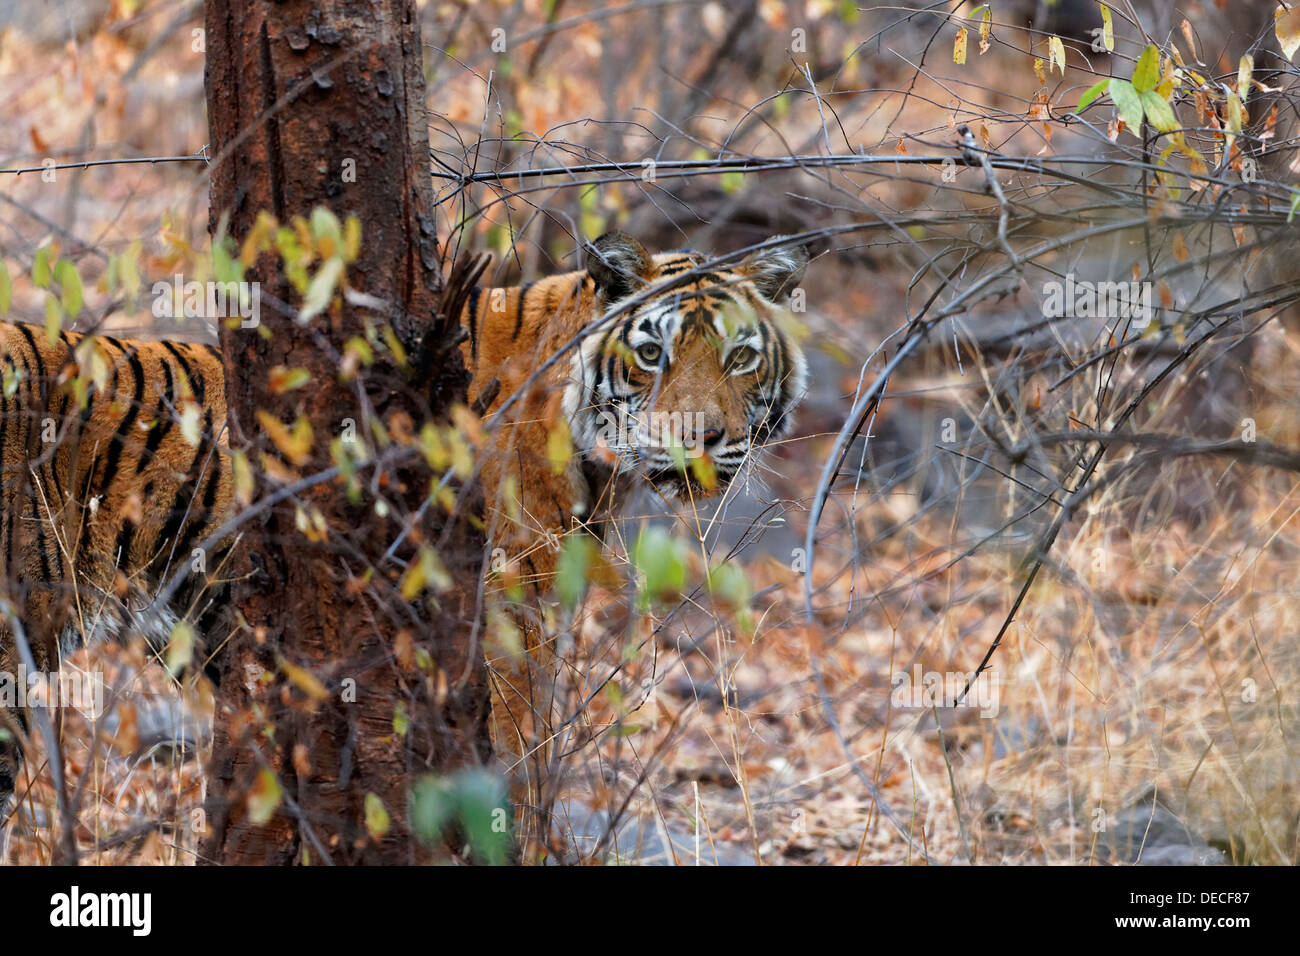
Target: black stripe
184, 496
6, 511
472, 311
199, 524
60, 418
162, 420
196, 382
519, 311
40, 535
36, 353
118, 441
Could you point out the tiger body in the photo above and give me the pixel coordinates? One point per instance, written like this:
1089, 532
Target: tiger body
99, 512
707, 356
99, 505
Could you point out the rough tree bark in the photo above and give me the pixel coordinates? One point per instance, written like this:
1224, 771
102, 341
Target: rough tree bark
297, 92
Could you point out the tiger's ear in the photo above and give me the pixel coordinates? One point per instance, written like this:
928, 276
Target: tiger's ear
617, 262
775, 272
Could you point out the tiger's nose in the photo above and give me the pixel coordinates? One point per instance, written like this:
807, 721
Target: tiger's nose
711, 437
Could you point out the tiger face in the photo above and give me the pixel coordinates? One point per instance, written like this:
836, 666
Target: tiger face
705, 369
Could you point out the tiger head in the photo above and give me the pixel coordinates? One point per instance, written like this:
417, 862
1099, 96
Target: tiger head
707, 367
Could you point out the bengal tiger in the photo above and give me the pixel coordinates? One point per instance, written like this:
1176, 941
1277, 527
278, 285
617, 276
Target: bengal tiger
100, 503
700, 348
110, 498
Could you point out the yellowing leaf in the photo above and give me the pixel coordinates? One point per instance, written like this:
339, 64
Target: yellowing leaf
559, 446
1233, 113
191, 425
705, 473
351, 239
1039, 71
259, 238
1286, 24
426, 571
243, 478
284, 379
1244, 70
263, 797
294, 444
1056, 54
6, 288
377, 820
1180, 247
180, 647
303, 679
986, 24
959, 48
1107, 29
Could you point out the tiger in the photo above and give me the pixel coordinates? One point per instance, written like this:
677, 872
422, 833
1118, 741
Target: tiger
701, 348
107, 499
103, 495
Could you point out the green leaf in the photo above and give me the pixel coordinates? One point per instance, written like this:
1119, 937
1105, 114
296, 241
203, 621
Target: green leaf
571, 569
433, 806
70, 283
1093, 92
1295, 204
401, 719
6, 288
129, 272
474, 799
729, 583
484, 815
1158, 112
226, 266
1146, 73
321, 289
53, 319
41, 268
661, 563
1129, 104
324, 224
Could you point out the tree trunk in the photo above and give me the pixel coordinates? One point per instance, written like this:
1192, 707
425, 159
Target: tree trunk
299, 95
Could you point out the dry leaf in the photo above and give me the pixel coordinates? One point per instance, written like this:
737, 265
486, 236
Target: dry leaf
1286, 25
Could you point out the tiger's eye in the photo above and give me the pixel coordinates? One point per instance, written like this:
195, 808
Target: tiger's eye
741, 358
649, 353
